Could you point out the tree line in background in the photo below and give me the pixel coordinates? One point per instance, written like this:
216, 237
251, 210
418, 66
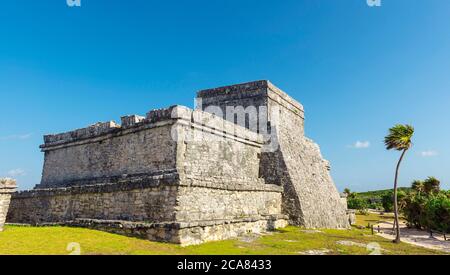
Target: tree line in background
423, 206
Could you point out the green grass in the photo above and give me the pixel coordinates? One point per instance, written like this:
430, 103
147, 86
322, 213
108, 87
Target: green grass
291, 240
373, 218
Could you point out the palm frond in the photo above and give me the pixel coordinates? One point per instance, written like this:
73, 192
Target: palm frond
418, 185
432, 185
399, 137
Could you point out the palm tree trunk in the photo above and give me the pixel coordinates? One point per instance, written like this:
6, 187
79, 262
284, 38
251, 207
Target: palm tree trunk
397, 224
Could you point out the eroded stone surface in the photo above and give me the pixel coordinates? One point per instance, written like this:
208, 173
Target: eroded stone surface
7, 186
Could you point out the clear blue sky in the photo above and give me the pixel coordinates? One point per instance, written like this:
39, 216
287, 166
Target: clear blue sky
357, 70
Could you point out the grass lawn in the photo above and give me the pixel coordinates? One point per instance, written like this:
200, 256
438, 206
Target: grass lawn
374, 218
291, 240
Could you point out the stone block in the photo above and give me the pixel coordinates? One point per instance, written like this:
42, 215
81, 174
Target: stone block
7, 187
130, 121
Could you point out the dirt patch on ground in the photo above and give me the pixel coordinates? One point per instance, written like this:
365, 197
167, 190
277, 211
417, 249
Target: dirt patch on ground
414, 236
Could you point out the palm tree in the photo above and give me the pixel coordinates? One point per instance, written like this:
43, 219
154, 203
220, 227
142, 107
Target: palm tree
431, 185
418, 186
400, 139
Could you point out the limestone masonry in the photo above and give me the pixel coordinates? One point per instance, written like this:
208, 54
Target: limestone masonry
7, 187
238, 163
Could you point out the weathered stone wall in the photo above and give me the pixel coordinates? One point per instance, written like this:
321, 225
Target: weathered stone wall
211, 149
105, 151
200, 204
165, 200
259, 96
216, 179
219, 162
310, 197
153, 200
7, 186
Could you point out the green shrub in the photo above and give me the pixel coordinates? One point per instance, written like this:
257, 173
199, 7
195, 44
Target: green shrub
428, 207
414, 211
375, 205
357, 203
437, 211
387, 202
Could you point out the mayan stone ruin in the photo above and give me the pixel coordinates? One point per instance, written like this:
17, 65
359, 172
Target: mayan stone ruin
238, 163
7, 187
